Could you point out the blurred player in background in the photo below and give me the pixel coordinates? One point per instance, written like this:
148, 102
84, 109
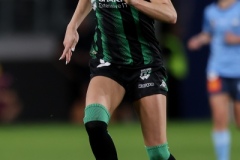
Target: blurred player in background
126, 59
221, 28
10, 106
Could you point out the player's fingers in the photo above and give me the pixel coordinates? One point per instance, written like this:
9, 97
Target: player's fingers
66, 59
73, 46
68, 56
65, 51
63, 54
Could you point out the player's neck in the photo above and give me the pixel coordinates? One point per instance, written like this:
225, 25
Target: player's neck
225, 3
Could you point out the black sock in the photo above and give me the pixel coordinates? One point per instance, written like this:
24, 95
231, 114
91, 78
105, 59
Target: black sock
101, 142
171, 157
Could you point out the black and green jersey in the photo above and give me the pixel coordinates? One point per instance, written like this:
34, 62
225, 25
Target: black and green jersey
124, 35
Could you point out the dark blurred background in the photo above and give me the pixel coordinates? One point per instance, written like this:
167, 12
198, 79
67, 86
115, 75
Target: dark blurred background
35, 86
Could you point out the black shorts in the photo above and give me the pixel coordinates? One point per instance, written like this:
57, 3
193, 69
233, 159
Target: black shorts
231, 86
138, 82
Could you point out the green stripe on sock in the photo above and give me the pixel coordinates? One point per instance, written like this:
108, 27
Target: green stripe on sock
96, 112
159, 152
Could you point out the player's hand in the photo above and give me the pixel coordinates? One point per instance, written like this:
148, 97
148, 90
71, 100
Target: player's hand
231, 38
194, 44
70, 42
132, 2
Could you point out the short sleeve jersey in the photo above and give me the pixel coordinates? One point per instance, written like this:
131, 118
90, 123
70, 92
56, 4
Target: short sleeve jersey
224, 58
123, 35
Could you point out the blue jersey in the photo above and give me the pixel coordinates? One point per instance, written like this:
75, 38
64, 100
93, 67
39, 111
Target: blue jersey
224, 58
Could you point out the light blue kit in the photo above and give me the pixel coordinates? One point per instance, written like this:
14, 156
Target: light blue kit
224, 58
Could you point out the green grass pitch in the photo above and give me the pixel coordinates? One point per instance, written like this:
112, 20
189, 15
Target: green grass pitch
187, 141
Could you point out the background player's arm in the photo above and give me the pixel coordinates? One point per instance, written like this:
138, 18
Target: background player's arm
199, 40
232, 39
162, 10
71, 37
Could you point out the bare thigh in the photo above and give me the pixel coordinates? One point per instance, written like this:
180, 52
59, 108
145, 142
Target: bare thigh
105, 91
220, 110
237, 113
152, 113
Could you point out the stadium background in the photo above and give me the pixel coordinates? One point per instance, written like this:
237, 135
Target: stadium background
42, 99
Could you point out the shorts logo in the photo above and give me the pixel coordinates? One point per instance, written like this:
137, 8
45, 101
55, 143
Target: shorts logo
103, 63
145, 85
164, 85
145, 73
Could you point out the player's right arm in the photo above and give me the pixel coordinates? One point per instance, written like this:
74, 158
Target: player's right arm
199, 40
71, 36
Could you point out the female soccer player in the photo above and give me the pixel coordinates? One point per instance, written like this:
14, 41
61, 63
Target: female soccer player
221, 29
126, 59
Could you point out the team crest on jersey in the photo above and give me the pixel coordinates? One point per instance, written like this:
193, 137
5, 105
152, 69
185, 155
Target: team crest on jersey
145, 73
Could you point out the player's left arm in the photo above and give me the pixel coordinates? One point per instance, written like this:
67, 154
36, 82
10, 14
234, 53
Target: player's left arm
162, 10
232, 39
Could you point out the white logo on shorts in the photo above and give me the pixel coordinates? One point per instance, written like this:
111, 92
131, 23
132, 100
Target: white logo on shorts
163, 85
103, 63
145, 73
145, 85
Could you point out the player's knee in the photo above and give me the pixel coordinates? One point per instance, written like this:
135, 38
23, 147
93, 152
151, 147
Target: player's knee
159, 152
96, 118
